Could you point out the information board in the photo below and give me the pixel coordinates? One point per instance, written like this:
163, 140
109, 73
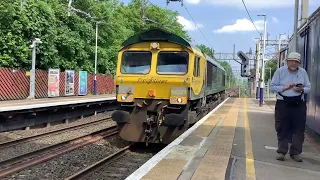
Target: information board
83, 81
53, 82
69, 77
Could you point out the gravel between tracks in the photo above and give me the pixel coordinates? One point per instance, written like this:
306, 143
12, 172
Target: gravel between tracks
14, 151
13, 135
72, 162
122, 167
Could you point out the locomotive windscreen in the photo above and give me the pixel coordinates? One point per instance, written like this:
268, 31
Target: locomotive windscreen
136, 62
172, 62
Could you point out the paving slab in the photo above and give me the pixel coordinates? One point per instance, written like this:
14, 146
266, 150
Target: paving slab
215, 161
263, 150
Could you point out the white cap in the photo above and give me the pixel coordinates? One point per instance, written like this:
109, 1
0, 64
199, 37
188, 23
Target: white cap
294, 56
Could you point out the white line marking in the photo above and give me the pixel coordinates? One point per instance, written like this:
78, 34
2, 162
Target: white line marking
21, 107
270, 147
146, 167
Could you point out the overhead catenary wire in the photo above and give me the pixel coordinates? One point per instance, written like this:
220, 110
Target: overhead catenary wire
153, 21
148, 1
244, 4
192, 20
197, 25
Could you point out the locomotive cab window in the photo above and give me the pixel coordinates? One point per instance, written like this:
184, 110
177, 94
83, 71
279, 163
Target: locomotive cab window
196, 70
136, 62
172, 63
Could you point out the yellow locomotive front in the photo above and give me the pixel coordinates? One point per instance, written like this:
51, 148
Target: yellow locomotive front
153, 81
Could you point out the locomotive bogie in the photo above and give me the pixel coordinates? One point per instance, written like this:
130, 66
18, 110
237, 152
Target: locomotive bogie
150, 119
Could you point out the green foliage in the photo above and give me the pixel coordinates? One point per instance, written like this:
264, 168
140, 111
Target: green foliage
206, 50
69, 41
270, 64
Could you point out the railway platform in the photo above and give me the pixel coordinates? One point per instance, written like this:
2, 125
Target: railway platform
237, 140
18, 114
15, 105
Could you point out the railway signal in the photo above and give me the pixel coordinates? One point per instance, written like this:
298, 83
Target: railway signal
244, 64
168, 1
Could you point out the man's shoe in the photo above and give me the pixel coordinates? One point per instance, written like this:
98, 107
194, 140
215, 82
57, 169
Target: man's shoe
296, 158
280, 157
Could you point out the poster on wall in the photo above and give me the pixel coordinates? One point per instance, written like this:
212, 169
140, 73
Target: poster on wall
53, 82
83, 81
69, 77
283, 55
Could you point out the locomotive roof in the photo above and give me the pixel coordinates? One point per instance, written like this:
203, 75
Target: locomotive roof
214, 62
156, 34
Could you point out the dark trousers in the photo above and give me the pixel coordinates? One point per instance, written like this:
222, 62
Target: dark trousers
289, 118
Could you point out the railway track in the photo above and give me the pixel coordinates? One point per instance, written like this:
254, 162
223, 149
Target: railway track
125, 161
118, 165
28, 160
98, 165
7, 144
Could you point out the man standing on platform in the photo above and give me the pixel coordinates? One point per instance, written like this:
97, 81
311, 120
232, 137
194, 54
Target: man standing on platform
290, 82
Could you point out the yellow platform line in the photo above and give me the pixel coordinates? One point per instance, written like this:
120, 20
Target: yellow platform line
250, 170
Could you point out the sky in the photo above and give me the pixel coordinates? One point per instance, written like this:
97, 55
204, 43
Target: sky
225, 23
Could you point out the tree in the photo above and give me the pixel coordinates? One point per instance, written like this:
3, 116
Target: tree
69, 41
206, 50
271, 64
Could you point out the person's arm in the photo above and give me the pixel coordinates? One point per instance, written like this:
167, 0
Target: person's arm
275, 82
307, 86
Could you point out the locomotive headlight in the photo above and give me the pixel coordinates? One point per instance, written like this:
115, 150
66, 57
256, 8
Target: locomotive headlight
154, 45
178, 95
125, 93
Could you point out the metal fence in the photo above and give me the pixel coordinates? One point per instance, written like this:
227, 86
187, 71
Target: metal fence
15, 84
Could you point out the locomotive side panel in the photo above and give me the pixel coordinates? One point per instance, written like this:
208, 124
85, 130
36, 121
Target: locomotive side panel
215, 79
197, 89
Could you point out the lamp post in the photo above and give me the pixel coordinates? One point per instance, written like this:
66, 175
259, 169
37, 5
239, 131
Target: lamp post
295, 25
269, 81
257, 75
70, 8
263, 63
33, 69
96, 59
279, 49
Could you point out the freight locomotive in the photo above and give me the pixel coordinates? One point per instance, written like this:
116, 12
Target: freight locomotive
164, 85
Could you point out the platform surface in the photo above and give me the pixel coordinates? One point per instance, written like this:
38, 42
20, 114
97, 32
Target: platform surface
46, 102
238, 141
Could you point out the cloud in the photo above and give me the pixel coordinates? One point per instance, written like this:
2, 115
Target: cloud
252, 4
275, 20
241, 25
188, 25
193, 1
